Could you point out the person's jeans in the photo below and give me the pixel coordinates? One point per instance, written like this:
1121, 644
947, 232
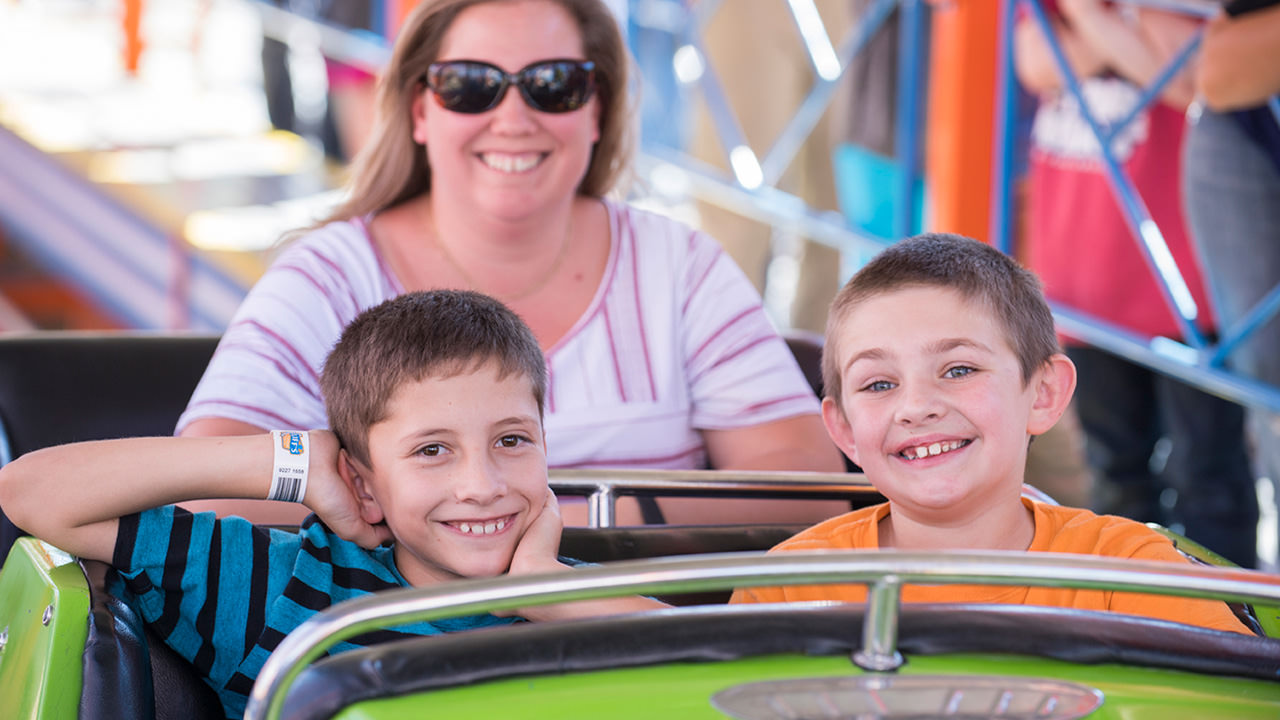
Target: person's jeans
1231, 193
1124, 410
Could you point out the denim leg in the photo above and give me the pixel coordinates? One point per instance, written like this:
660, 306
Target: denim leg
1231, 193
1115, 401
1217, 498
1232, 198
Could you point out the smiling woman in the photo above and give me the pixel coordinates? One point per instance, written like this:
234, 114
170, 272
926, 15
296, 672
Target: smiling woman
502, 125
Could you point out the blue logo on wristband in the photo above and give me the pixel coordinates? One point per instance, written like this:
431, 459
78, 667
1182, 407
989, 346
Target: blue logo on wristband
292, 442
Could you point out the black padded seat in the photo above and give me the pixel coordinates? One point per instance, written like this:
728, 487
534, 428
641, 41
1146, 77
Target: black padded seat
61, 387
724, 633
128, 671
600, 545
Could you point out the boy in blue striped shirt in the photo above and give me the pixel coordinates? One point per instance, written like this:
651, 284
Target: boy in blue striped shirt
435, 469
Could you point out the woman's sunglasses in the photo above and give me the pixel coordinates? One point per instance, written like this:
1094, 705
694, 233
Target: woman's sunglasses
552, 86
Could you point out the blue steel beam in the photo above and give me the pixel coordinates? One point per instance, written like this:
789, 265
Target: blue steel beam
801, 125
911, 40
1134, 210
1002, 143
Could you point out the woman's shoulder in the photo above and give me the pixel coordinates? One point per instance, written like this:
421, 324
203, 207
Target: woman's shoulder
647, 220
337, 259
659, 232
337, 238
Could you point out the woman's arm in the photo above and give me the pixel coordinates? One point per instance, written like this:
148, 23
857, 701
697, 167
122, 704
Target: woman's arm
798, 444
1240, 60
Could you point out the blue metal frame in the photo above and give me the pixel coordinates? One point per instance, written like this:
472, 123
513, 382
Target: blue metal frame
907, 133
1001, 221
1198, 361
1134, 210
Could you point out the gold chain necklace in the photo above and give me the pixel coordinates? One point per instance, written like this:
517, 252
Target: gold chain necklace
537, 285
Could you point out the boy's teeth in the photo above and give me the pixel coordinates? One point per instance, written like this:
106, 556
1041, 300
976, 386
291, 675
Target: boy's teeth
482, 528
937, 448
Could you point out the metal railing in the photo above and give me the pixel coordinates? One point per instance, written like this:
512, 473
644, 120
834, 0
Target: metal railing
1195, 359
603, 487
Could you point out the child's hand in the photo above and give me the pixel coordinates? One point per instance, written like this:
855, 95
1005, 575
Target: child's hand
540, 544
333, 499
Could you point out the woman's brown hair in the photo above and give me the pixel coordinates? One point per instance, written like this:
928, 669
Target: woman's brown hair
392, 167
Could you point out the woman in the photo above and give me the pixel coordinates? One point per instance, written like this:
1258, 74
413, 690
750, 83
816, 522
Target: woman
502, 124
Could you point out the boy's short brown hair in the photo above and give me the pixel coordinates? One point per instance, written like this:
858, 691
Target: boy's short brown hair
974, 269
438, 333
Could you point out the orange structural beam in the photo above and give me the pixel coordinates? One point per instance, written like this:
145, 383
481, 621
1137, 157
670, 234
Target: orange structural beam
962, 90
132, 21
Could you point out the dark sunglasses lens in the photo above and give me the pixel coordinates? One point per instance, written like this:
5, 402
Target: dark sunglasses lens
466, 87
559, 86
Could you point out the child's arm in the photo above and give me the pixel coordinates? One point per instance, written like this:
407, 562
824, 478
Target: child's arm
538, 553
73, 495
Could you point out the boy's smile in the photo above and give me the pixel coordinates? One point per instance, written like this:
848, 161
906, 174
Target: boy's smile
935, 410
459, 473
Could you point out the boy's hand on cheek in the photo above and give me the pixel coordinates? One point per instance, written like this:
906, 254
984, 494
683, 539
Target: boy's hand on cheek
334, 500
540, 545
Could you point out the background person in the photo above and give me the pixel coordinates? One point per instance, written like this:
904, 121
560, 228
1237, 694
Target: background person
1231, 189
495, 145
1078, 242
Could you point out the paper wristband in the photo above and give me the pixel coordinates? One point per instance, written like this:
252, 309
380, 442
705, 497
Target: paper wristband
289, 469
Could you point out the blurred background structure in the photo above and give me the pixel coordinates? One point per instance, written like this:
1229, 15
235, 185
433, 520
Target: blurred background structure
153, 153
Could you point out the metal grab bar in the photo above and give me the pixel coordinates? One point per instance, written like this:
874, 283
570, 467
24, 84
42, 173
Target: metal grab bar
603, 487
883, 570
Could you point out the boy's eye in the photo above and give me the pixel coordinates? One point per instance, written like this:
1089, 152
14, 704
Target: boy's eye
431, 450
510, 441
878, 386
958, 371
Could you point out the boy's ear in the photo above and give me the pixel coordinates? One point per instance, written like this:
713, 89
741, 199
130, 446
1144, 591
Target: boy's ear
838, 428
1054, 384
356, 476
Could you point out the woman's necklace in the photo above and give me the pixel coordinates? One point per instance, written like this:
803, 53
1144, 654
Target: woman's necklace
533, 288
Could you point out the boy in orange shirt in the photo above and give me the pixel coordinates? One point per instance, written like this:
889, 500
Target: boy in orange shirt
941, 363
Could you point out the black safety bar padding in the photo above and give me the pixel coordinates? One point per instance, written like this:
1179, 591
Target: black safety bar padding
723, 633
599, 545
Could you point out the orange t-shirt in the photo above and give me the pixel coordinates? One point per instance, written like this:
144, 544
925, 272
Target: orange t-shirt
1058, 529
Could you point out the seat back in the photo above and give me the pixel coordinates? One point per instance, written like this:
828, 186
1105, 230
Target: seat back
60, 387
806, 348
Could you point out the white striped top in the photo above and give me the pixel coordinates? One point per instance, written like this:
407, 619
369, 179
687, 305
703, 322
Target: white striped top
674, 341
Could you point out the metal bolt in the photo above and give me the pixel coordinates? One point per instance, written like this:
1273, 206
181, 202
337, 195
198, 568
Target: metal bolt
48, 615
